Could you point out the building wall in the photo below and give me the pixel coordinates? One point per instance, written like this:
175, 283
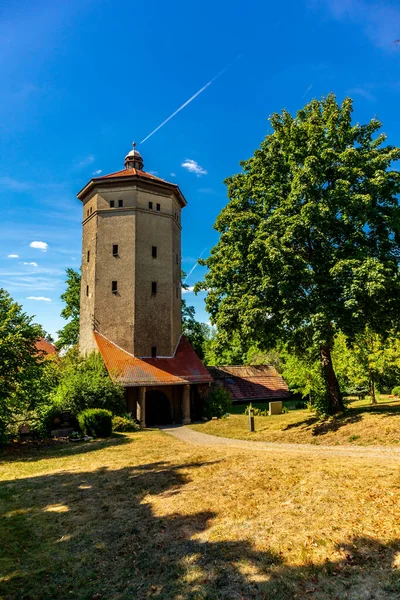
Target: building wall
87, 301
133, 318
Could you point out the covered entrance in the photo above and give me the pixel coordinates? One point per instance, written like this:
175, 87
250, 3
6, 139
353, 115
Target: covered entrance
158, 408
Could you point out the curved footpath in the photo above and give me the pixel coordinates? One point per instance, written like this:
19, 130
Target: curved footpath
185, 434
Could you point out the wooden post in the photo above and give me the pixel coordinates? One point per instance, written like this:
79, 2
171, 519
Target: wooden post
141, 407
186, 405
251, 419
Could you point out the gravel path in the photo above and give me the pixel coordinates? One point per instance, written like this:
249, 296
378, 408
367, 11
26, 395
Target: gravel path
185, 434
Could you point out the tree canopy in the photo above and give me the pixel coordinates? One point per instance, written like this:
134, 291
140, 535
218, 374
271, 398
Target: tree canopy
69, 334
309, 240
20, 363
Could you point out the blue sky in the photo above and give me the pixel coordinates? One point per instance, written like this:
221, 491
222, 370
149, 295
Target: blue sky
81, 79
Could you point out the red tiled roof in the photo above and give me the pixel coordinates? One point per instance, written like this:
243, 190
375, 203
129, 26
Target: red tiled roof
46, 347
184, 367
131, 173
256, 382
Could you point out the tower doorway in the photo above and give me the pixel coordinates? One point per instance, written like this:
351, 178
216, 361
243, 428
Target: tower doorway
158, 409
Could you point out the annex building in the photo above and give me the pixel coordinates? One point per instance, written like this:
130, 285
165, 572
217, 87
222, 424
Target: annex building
131, 293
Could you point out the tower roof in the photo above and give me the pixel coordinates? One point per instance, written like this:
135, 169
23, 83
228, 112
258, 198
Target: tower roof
133, 170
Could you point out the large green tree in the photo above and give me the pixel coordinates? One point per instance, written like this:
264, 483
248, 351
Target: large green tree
20, 363
69, 334
309, 241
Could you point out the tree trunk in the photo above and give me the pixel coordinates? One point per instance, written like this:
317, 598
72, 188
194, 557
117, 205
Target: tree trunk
372, 387
335, 397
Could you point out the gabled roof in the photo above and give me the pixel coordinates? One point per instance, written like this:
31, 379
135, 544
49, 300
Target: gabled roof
131, 174
184, 367
255, 382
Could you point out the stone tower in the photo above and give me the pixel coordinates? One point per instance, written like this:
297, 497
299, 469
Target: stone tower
131, 261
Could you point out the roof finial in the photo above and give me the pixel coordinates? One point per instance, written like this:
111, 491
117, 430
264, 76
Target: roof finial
133, 159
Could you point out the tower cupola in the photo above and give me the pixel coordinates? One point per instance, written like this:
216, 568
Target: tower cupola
134, 160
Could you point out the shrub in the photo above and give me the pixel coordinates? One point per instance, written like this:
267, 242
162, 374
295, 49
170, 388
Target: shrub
299, 405
258, 412
217, 403
85, 383
396, 390
285, 410
124, 423
96, 422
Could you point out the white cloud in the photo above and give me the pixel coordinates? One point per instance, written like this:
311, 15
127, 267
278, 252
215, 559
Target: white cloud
97, 172
13, 256
86, 161
172, 174
39, 298
153, 172
193, 167
188, 290
39, 245
362, 91
32, 264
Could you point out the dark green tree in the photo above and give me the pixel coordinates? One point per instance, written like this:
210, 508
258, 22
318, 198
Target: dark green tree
197, 333
69, 334
19, 360
309, 241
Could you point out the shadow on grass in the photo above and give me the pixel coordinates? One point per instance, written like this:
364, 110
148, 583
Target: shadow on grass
351, 415
94, 535
34, 451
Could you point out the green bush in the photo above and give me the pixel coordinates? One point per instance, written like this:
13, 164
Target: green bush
96, 422
396, 390
217, 403
85, 383
124, 423
258, 412
299, 405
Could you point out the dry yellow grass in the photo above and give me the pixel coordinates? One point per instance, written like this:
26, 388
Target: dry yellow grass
361, 424
145, 515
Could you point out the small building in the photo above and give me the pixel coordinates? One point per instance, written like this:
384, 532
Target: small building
131, 307
255, 383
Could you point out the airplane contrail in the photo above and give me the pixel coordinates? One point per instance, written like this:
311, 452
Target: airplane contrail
194, 266
190, 100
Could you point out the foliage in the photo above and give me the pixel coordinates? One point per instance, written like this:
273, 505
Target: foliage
365, 361
220, 351
69, 334
20, 365
217, 403
303, 374
258, 412
124, 423
255, 356
85, 383
396, 390
96, 422
197, 333
309, 241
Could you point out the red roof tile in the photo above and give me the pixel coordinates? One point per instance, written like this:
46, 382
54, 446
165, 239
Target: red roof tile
46, 347
256, 382
184, 367
131, 173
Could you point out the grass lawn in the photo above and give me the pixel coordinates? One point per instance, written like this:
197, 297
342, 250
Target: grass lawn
362, 424
144, 515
